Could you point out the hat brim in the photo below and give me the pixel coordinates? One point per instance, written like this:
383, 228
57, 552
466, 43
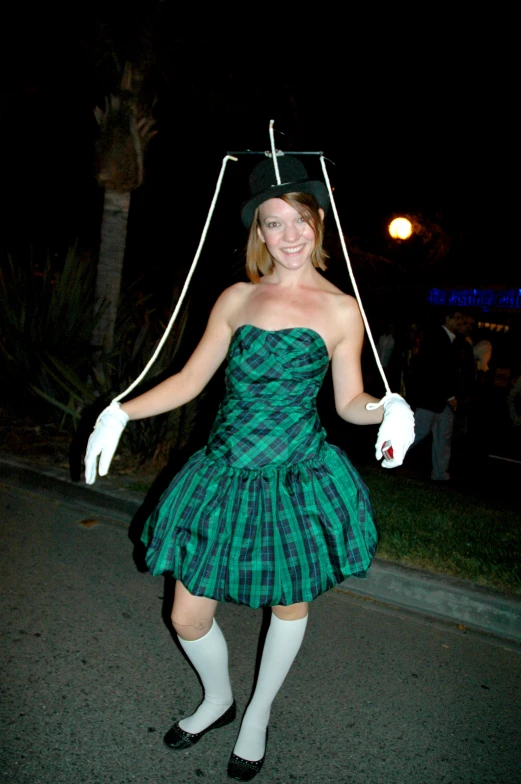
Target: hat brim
315, 187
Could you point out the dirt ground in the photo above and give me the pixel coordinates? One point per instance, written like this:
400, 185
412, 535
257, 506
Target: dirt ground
47, 446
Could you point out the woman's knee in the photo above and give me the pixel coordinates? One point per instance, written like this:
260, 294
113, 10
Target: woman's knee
192, 616
291, 612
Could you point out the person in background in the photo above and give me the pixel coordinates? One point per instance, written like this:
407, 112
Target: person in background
467, 374
390, 349
482, 355
413, 340
385, 345
514, 403
481, 410
435, 386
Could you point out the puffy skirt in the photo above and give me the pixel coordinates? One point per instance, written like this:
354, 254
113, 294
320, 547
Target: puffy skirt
268, 536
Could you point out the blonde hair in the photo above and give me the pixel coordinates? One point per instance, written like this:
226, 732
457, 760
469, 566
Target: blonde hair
258, 260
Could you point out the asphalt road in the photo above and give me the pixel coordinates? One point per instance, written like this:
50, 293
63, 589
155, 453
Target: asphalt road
91, 677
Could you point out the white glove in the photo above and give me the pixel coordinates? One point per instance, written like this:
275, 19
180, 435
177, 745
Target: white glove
104, 440
396, 430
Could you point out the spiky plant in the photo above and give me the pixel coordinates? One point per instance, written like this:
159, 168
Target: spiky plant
46, 322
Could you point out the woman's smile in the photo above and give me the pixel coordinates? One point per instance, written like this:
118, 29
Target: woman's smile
292, 251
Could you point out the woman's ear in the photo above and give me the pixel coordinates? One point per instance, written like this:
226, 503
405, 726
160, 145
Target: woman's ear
260, 235
321, 213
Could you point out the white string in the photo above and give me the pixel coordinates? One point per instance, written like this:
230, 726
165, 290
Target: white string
198, 253
274, 152
370, 406
185, 287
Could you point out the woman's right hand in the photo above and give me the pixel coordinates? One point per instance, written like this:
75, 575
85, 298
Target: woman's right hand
103, 441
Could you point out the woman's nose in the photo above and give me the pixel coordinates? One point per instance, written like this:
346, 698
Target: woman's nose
291, 232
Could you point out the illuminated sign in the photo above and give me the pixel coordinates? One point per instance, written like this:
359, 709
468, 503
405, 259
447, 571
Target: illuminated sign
484, 299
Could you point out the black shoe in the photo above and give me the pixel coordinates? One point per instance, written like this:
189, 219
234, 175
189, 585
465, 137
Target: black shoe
245, 770
177, 738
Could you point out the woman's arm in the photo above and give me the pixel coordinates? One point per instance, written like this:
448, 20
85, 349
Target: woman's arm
173, 392
204, 362
396, 433
350, 398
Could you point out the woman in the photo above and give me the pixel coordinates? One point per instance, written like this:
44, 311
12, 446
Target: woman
268, 514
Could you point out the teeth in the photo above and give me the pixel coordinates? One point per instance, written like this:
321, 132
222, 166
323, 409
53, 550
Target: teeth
293, 250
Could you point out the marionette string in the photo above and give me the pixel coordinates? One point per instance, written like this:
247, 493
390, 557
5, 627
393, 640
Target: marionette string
185, 287
355, 287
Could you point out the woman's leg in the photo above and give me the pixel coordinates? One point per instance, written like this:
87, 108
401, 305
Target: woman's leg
205, 646
282, 644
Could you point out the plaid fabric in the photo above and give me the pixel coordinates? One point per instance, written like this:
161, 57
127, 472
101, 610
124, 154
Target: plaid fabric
269, 512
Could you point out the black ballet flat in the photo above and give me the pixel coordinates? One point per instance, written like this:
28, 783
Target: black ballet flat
176, 738
245, 770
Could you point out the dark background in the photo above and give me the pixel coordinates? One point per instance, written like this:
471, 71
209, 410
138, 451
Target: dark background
415, 112
414, 107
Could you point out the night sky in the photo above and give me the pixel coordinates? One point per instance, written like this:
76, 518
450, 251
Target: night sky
416, 121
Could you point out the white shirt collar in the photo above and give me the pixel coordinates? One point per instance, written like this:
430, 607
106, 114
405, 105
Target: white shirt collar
451, 335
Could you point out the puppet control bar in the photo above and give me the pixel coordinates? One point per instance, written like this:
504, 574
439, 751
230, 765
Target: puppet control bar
274, 154
279, 152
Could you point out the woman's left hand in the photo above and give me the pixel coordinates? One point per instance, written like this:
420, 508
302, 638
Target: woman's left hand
396, 430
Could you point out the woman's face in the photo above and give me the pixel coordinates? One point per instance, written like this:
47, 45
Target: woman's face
289, 239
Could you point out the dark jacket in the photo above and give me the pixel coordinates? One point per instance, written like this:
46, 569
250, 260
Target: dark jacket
435, 374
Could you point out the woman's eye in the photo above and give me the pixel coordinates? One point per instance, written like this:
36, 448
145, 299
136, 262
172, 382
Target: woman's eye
273, 224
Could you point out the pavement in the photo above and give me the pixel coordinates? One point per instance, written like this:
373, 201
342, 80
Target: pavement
91, 677
452, 600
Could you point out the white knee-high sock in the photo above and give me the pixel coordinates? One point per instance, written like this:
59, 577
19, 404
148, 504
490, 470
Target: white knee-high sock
209, 655
282, 644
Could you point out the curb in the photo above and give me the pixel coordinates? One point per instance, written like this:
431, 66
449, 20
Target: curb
443, 597
56, 483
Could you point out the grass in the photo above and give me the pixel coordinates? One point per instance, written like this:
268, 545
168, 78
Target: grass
462, 533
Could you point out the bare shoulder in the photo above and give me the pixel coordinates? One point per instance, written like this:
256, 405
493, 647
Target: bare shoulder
344, 314
344, 304
238, 292
345, 308
232, 299
348, 306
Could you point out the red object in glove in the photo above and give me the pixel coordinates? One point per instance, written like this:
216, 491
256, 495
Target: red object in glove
387, 450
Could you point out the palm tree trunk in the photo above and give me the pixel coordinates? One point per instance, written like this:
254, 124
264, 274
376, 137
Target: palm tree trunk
110, 264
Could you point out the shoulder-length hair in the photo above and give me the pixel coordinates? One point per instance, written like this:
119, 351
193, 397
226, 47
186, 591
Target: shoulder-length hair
258, 260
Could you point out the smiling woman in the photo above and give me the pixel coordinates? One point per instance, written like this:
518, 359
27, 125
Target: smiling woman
268, 514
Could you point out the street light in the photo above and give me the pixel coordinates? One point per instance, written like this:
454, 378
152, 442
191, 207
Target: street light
400, 229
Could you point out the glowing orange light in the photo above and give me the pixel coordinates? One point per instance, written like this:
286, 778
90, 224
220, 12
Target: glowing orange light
400, 229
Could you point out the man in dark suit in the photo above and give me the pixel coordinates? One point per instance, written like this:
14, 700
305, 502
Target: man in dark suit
435, 386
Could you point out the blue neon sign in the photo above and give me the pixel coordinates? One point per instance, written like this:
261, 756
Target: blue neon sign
484, 299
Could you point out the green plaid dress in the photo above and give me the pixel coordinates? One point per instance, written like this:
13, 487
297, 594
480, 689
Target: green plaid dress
268, 512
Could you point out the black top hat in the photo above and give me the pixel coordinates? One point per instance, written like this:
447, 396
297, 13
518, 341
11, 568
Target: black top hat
294, 179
